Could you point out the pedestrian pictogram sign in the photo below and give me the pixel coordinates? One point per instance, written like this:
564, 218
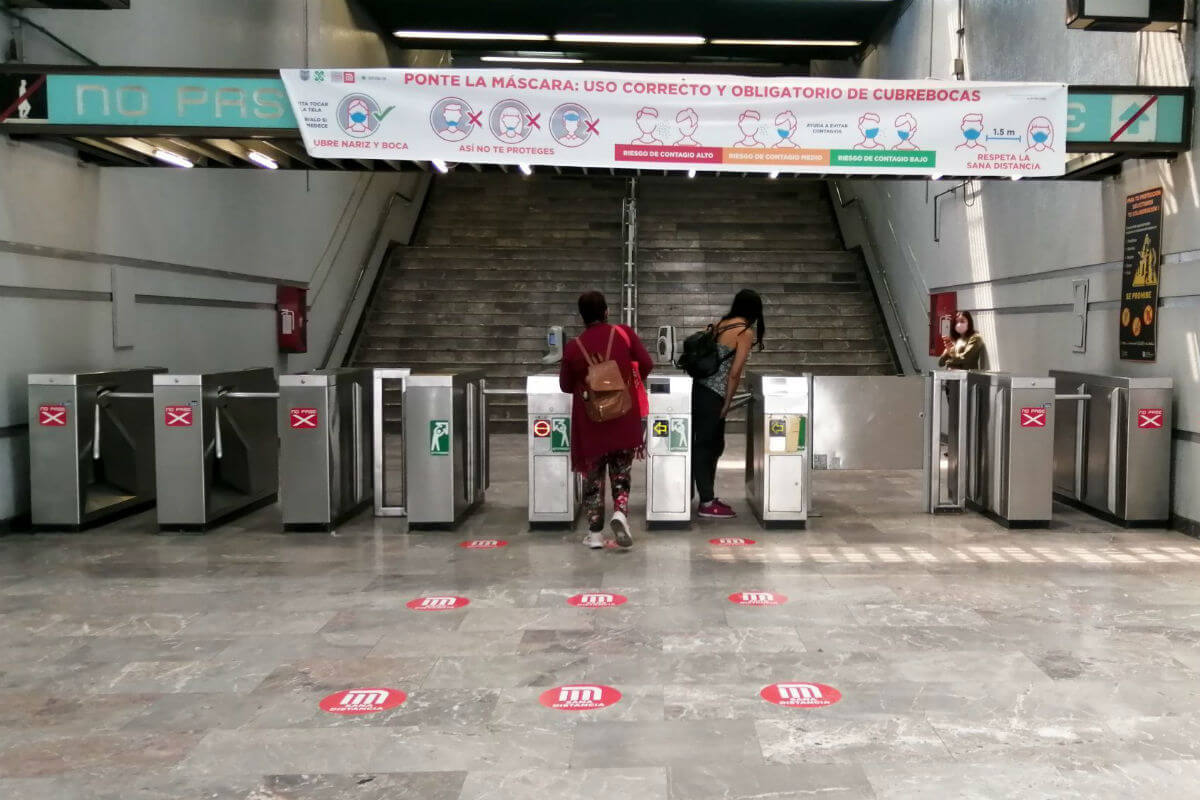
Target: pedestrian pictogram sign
1034, 417
439, 437
363, 701
560, 435
585, 697
304, 417
660, 428
800, 695
680, 438
52, 416
1150, 417
541, 428
178, 416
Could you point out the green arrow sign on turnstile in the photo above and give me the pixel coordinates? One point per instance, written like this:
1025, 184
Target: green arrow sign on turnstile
560, 435
680, 439
439, 437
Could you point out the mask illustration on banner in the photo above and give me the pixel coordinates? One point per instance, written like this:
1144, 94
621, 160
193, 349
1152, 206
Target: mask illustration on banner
748, 124
452, 119
511, 121
357, 115
1040, 135
868, 126
906, 129
572, 125
647, 121
785, 126
686, 122
972, 129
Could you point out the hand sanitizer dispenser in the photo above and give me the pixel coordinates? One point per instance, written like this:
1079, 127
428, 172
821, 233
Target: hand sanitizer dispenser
554, 343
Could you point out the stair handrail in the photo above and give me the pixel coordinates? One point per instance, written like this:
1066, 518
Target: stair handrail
881, 273
376, 235
629, 228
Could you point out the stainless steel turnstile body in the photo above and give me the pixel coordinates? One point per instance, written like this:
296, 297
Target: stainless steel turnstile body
1112, 446
445, 445
91, 446
945, 450
553, 487
324, 446
778, 432
387, 440
216, 446
1010, 451
669, 450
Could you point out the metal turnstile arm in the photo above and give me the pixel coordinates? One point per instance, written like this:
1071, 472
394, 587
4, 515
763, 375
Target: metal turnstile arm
1072, 397
251, 395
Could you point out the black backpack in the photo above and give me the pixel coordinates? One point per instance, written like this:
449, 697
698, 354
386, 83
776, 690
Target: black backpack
701, 357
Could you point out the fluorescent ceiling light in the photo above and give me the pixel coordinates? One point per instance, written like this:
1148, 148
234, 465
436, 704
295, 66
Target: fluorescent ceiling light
266, 162
534, 59
621, 38
174, 159
528, 170
790, 42
691, 173
439, 165
937, 176
517, 37
1017, 177
773, 175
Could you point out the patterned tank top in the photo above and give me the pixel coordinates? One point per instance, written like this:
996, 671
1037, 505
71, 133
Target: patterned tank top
719, 380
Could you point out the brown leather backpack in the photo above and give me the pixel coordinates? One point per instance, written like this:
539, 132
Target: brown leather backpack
605, 397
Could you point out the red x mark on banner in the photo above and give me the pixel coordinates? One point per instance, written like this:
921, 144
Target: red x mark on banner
1150, 418
592, 126
533, 120
474, 118
304, 417
1033, 417
52, 416
178, 416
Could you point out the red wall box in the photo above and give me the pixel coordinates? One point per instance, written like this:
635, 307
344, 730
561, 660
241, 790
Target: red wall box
942, 308
291, 319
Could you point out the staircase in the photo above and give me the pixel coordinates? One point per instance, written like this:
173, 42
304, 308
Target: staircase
496, 260
703, 239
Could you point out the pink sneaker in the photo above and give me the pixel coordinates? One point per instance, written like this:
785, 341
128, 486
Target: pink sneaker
715, 509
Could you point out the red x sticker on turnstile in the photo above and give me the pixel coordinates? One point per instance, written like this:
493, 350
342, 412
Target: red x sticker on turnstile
178, 416
52, 416
1150, 417
304, 417
541, 428
1034, 417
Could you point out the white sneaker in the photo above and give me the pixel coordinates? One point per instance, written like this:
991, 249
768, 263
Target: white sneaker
620, 528
594, 540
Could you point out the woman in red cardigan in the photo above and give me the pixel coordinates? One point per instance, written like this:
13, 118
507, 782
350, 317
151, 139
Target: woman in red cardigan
612, 445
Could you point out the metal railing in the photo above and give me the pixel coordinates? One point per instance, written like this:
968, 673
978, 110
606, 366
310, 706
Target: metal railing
629, 227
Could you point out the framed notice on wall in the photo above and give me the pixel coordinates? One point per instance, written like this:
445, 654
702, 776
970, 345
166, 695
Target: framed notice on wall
1140, 275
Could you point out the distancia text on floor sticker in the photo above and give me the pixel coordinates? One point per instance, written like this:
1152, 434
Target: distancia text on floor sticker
800, 695
579, 697
362, 701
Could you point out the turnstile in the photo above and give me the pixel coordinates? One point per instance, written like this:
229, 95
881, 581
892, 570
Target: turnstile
216, 446
553, 487
1010, 450
669, 450
945, 451
445, 446
324, 447
777, 449
387, 440
91, 446
1112, 446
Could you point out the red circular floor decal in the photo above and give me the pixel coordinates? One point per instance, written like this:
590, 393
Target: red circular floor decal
732, 541
437, 603
580, 697
363, 701
800, 695
758, 598
483, 544
597, 600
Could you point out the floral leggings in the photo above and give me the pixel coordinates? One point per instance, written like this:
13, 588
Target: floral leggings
619, 464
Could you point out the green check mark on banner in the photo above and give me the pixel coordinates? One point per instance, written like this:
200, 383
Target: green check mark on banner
379, 115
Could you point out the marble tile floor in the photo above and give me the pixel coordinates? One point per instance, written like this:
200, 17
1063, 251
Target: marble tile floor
972, 661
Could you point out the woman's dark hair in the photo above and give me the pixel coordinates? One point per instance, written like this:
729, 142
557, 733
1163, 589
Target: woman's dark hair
592, 307
748, 305
954, 334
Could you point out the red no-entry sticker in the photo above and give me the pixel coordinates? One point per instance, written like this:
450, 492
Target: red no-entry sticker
731, 541
541, 428
178, 416
1033, 417
437, 603
757, 598
483, 544
52, 416
800, 695
304, 417
1150, 418
579, 697
597, 600
363, 701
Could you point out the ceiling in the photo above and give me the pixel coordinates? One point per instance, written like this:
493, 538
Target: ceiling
804, 20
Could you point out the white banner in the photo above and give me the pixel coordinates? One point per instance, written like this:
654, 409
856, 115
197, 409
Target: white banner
703, 122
